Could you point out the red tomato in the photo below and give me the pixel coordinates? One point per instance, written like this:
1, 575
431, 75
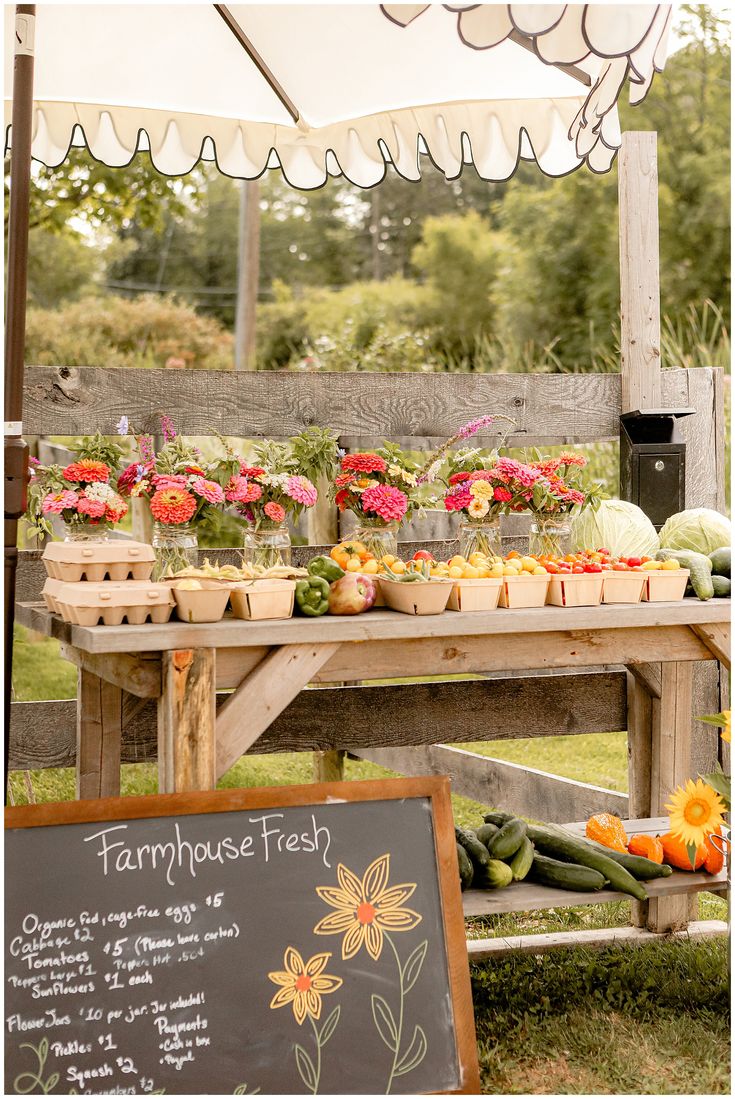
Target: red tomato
578, 569
422, 555
603, 550
620, 566
633, 561
594, 566
551, 567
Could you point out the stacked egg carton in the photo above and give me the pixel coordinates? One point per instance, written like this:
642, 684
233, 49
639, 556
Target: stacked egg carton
89, 582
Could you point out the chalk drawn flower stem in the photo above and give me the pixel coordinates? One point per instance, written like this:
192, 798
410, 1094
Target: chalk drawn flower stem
35, 1079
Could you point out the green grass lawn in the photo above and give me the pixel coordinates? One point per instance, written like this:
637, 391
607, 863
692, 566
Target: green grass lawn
651, 1020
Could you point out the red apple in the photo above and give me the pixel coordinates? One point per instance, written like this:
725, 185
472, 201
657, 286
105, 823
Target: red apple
353, 593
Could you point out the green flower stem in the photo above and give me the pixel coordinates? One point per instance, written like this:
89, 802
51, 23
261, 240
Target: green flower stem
399, 1028
318, 1071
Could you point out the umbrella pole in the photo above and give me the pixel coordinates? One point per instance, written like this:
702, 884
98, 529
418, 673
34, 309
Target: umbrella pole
16, 451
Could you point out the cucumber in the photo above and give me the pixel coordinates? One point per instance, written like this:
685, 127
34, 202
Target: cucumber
721, 584
700, 569
486, 832
720, 559
477, 851
494, 875
566, 875
521, 862
466, 870
498, 817
562, 845
506, 842
641, 868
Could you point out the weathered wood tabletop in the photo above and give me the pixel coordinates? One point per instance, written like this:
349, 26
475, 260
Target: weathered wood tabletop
267, 664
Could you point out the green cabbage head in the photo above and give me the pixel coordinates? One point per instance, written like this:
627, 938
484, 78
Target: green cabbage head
700, 530
617, 526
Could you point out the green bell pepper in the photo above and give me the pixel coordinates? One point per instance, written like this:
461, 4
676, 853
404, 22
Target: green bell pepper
325, 567
311, 596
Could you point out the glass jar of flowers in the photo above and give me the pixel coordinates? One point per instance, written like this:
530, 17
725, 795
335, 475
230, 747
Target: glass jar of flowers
180, 487
275, 486
561, 489
80, 493
380, 489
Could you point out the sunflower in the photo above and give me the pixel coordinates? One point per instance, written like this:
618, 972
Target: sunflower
695, 811
303, 984
366, 908
725, 734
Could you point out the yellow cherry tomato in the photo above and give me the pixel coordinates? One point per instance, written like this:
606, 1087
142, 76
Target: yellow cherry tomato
455, 571
398, 567
496, 570
540, 571
469, 572
528, 563
388, 558
457, 560
370, 567
508, 570
352, 565
652, 565
484, 573
670, 566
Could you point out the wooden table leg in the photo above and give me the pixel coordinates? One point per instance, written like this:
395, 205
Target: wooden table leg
329, 766
640, 731
99, 733
671, 767
186, 721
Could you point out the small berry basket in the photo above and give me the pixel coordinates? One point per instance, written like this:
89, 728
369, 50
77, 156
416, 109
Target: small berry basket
525, 591
623, 587
581, 590
475, 595
663, 586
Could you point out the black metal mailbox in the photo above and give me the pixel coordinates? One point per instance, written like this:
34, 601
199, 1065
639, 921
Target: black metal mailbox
653, 461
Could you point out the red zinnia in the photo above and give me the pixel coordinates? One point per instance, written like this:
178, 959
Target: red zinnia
87, 471
173, 505
456, 478
251, 471
340, 499
364, 463
502, 495
344, 479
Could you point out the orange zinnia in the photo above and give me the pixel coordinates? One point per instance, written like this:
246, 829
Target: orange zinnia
366, 908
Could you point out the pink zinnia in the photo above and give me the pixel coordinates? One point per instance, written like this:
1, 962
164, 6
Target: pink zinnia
56, 502
527, 476
502, 495
574, 497
386, 501
506, 467
95, 509
302, 490
210, 490
169, 480
274, 511
241, 491
481, 475
456, 501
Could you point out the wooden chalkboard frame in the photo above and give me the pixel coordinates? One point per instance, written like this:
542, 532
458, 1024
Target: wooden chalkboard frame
435, 788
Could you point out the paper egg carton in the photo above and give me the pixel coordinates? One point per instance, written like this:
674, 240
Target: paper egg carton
87, 603
97, 561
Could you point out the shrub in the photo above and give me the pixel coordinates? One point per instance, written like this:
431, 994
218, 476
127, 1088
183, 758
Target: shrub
112, 331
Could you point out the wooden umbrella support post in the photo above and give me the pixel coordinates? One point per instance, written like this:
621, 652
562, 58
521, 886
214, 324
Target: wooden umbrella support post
16, 451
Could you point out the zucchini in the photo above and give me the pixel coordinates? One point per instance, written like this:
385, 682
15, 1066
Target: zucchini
486, 832
498, 817
562, 845
466, 870
700, 569
721, 585
494, 875
566, 875
720, 559
641, 868
506, 842
477, 851
521, 862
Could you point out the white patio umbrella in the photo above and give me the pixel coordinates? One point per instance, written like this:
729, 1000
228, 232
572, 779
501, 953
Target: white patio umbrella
344, 88
314, 88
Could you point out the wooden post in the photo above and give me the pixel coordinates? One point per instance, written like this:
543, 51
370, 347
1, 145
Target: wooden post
640, 731
186, 721
670, 767
323, 518
248, 268
640, 322
99, 734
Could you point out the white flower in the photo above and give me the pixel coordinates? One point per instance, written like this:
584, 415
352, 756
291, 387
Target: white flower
275, 480
432, 471
99, 490
478, 508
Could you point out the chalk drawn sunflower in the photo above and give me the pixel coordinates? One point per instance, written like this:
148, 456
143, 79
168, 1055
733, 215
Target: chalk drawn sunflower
303, 984
366, 908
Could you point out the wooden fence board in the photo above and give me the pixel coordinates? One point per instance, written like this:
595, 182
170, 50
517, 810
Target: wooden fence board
42, 733
583, 407
495, 782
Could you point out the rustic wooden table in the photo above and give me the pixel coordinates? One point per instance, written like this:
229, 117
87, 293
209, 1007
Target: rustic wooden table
266, 664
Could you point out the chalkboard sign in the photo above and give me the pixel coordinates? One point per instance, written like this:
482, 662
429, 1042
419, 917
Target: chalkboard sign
297, 940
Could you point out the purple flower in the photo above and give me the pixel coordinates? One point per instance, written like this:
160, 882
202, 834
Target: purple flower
340, 452
168, 429
473, 426
122, 425
146, 448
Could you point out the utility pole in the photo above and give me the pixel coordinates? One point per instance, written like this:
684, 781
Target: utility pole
248, 269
